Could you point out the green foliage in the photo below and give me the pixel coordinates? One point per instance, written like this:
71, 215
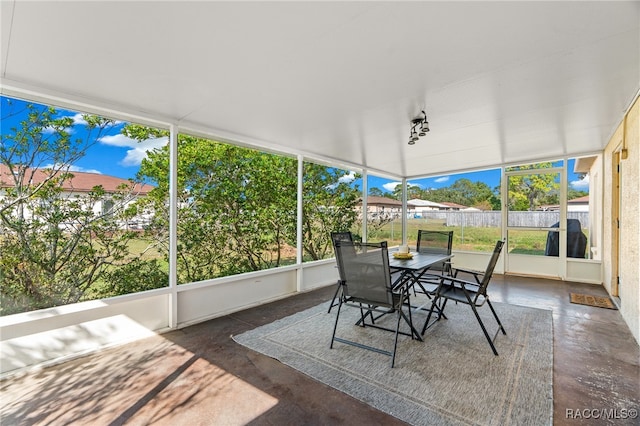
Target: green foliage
137, 275
530, 191
463, 192
377, 192
574, 193
237, 206
54, 247
376, 225
329, 205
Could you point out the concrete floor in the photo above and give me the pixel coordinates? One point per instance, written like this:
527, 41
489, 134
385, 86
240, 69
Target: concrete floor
200, 376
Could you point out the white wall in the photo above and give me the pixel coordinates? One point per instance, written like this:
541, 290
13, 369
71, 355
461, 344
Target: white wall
59, 333
623, 263
56, 334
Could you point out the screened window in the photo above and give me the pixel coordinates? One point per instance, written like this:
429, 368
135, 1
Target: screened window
384, 210
583, 206
236, 209
467, 204
70, 191
331, 203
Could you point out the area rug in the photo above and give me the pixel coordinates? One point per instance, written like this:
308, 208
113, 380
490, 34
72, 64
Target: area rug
589, 300
452, 378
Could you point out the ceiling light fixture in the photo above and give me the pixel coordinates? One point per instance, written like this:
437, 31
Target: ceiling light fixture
422, 125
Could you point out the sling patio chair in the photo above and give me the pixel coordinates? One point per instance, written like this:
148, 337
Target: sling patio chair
473, 294
434, 242
344, 236
366, 285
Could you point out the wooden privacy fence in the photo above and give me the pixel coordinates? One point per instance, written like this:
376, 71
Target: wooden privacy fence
488, 219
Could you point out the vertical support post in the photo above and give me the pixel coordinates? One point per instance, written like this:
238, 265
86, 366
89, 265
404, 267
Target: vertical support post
404, 211
504, 200
299, 250
173, 226
365, 215
563, 229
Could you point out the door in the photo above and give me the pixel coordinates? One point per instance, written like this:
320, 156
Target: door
536, 219
615, 213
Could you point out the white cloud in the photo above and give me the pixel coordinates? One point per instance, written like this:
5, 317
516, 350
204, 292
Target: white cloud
581, 184
118, 140
442, 179
79, 120
73, 169
48, 130
349, 177
138, 150
391, 186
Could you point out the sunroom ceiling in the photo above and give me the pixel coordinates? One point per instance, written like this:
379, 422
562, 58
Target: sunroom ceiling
501, 82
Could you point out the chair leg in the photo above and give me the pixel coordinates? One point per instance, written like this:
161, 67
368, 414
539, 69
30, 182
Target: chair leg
484, 330
408, 318
335, 325
441, 310
408, 299
335, 296
395, 341
496, 317
434, 305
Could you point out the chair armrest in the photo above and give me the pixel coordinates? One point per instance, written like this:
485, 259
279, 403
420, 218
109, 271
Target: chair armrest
476, 274
462, 283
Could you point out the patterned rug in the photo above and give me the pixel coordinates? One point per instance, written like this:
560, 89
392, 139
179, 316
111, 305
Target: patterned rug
452, 378
589, 300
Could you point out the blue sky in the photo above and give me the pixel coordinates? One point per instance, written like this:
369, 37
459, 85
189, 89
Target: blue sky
114, 154
117, 155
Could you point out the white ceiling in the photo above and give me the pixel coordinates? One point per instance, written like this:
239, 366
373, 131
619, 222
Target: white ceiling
501, 82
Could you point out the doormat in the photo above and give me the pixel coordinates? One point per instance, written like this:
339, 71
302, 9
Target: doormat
589, 300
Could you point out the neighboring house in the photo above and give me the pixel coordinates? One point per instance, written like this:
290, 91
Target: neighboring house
549, 208
383, 206
416, 208
80, 185
580, 204
426, 206
459, 207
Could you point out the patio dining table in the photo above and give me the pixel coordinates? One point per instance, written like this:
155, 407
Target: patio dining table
410, 270
413, 268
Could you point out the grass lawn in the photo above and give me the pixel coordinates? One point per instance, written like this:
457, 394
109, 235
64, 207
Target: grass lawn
464, 238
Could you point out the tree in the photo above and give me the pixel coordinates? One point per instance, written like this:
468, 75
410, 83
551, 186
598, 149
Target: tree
484, 205
329, 205
237, 206
376, 192
55, 248
464, 192
413, 191
574, 193
527, 192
